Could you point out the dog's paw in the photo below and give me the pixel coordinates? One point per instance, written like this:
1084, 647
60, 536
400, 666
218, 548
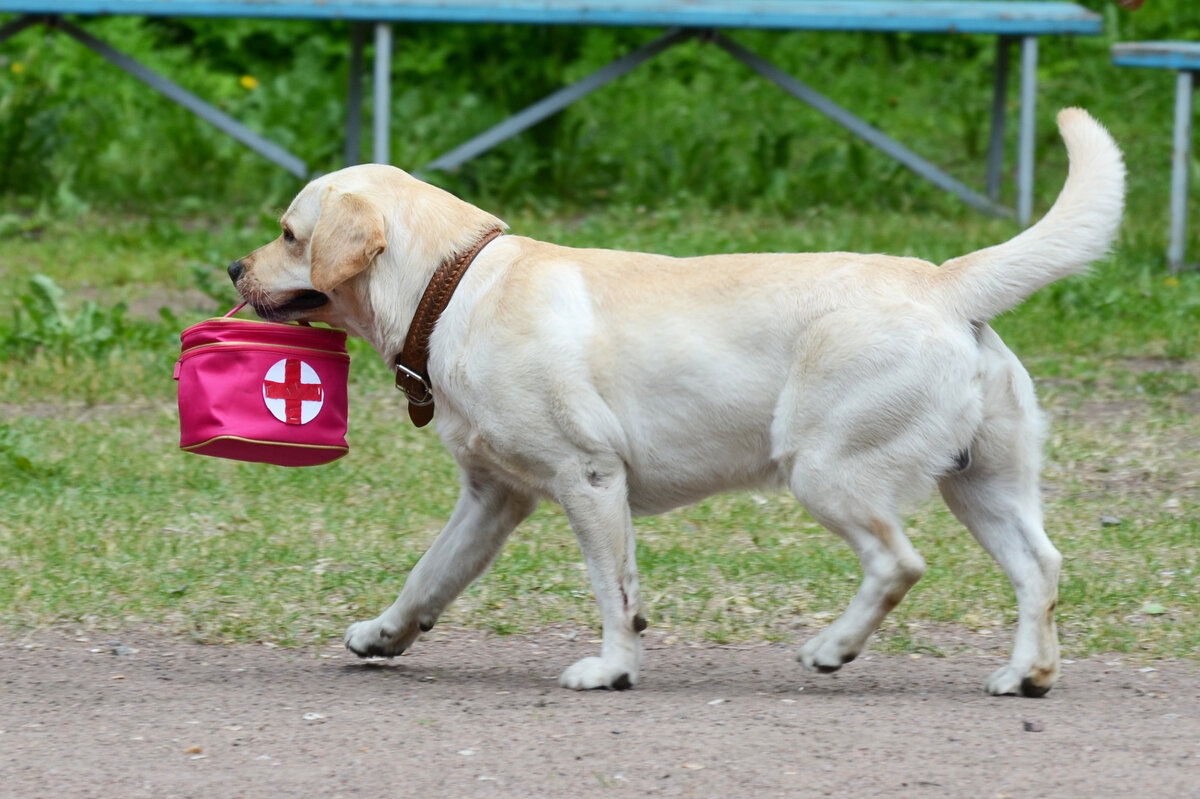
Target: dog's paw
1011, 681
823, 654
373, 639
591, 673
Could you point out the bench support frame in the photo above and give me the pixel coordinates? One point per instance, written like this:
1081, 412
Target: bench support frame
987, 202
172, 91
1181, 153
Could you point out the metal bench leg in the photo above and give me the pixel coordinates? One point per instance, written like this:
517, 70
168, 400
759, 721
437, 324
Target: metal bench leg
382, 105
555, 102
354, 95
858, 127
1180, 162
18, 25
191, 102
995, 157
1029, 57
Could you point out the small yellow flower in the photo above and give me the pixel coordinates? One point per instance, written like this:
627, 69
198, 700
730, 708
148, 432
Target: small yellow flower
248, 82
1171, 282
17, 67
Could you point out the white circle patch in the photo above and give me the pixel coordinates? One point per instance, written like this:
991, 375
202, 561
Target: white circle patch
293, 392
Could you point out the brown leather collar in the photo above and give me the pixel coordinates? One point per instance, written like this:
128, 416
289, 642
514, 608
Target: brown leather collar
412, 364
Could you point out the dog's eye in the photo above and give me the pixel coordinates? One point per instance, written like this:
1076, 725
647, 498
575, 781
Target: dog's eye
288, 237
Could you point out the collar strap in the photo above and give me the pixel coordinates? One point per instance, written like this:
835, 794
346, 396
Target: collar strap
412, 364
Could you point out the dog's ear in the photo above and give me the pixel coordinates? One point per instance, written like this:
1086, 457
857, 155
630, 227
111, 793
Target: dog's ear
347, 238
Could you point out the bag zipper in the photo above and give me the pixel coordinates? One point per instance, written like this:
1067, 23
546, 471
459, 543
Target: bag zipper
254, 345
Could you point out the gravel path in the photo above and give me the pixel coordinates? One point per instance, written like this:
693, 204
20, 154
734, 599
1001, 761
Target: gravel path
468, 714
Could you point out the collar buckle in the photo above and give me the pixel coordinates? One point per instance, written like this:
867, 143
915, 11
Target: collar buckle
414, 386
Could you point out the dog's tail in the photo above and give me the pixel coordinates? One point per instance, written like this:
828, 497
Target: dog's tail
1077, 230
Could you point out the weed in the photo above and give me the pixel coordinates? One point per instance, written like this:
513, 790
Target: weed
42, 323
19, 459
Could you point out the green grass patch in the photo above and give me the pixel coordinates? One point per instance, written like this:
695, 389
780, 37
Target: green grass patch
107, 524
114, 204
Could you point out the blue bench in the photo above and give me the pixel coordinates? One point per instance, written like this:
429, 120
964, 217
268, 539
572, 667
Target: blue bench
1010, 22
1184, 58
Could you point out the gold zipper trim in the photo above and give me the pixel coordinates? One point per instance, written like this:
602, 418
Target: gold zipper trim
191, 447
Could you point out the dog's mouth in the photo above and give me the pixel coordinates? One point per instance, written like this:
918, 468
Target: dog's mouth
295, 305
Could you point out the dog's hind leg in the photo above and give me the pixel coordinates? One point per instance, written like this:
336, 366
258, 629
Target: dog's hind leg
482, 520
1006, 520
997, 498
890, 568
594, 495
874, 415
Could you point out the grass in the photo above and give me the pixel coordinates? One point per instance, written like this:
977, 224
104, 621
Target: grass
107, 525
104, 523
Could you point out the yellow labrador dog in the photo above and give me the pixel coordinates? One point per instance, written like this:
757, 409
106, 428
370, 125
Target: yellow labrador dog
621, 383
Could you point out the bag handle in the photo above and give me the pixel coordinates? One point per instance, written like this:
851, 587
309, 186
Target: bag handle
244, 304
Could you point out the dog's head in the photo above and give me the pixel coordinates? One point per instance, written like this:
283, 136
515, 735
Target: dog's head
356, 250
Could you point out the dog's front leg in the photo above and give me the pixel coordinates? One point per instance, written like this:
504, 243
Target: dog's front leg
595, 498
482, 520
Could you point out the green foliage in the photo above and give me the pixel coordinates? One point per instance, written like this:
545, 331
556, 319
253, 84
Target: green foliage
1118, 309
42, 323
691, 125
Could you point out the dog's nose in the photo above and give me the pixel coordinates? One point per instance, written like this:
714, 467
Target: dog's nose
235, 270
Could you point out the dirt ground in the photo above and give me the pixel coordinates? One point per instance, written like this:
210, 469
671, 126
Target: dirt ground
470, 714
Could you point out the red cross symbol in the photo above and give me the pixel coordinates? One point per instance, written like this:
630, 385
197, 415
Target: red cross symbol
292, 391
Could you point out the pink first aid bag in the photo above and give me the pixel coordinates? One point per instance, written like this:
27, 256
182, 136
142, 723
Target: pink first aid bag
263, 391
